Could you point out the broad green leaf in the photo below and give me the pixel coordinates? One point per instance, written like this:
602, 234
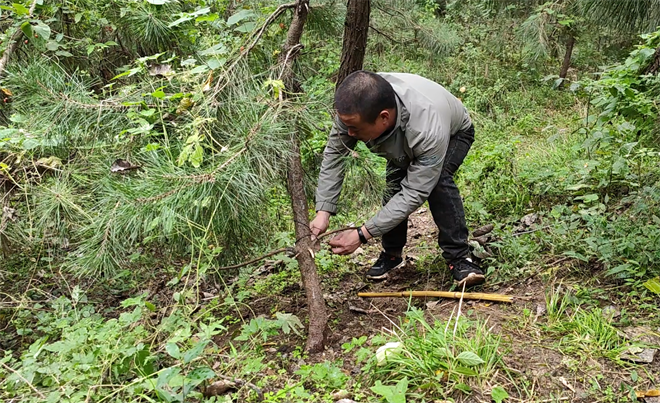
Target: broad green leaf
201, 11
158, 2
653, 285
240, 16
180, 21
392, 394
52, 45
195, 377
173, 350
150, 306
199, 69
469, 358
128, 73
143, 363
197, 156
29, 144
498, 394
215, 62
194, 352
622, 268
152, 147
219, 49
185, 153
578, 186
247, 27
200, 374
207, 18
289, 322
588, 198
42, 30
77, 17
20, 9
26, 27
465, 371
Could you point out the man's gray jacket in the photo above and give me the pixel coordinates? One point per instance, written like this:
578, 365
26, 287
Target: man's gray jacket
427, 116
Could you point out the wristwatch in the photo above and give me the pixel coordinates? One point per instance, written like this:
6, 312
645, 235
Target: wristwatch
361, 235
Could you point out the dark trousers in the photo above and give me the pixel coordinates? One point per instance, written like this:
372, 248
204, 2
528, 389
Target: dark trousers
445, 203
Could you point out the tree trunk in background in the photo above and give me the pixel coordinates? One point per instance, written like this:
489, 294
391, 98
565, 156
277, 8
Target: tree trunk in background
654, 67
356, 28
567, 58
318, 318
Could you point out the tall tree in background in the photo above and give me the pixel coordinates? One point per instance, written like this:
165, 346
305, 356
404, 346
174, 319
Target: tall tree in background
356, 29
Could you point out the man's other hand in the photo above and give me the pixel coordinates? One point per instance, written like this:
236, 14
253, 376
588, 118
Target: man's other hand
345, 243
320, 223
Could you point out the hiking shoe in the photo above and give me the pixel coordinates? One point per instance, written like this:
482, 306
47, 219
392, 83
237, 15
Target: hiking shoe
383, 265
466, 272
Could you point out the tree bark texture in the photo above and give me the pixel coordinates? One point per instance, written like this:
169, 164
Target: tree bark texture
356, 29
654, 67
318, 317
567, 57
14, 42
292, 45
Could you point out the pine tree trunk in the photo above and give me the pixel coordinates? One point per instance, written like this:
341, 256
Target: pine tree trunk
292, 45
318, 318
356, 29
567, 58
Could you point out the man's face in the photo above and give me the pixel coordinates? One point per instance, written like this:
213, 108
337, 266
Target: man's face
366, 131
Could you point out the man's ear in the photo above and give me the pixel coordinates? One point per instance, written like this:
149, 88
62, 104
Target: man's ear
385, 115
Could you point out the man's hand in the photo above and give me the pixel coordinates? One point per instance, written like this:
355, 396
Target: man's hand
320, 223
347, 241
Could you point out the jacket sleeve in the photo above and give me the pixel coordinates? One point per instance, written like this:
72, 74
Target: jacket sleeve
332, 172
422, 176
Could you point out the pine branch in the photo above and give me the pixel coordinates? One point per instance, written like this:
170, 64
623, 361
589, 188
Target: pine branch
207, 177
65, 97
287, 249
14, 42
269, 20
384, 34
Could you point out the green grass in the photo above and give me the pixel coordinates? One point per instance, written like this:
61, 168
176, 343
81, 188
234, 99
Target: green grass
440, 358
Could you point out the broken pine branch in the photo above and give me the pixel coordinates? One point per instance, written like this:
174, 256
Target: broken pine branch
441, 294
281, 250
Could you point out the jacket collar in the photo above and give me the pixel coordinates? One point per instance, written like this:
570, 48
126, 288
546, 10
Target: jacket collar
402, 116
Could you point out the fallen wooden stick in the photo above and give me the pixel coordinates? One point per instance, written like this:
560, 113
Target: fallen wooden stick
441, 294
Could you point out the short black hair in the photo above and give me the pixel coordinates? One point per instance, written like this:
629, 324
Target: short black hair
365, 93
